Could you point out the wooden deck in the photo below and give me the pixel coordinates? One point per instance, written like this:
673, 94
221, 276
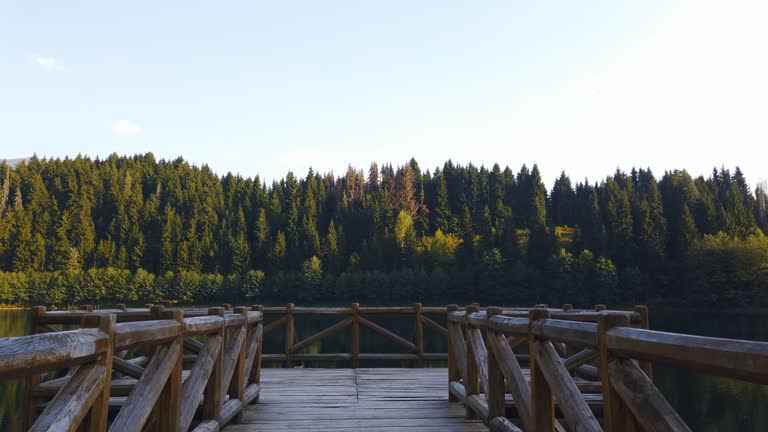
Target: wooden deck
355, 399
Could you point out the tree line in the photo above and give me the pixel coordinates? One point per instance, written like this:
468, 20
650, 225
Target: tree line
137, 229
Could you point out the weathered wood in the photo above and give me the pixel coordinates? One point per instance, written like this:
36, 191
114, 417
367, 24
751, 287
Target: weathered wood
471, 374
68, 409
740, 359
542, 405
207, 426
192, 345
355, 335
269, 328
475, 338
454, 373
132, 334
580, 358
202, 325
142, 399
33, 380
434, 326
212, 397
501, 424
290, 333
327, 332
418, 334
643, 399
615, 413
255, 374
459, 347
571, 332
127, 368
495, 390
516, 341
168, 408
194, 385
239, 376
25, 355
232, 344
388, 334
254, 345
644, 324
577, 413
516, 381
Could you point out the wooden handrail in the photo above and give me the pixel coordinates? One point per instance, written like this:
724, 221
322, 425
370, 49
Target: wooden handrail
614, 347
155, 391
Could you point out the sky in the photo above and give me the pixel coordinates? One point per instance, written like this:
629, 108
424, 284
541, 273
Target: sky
264, 87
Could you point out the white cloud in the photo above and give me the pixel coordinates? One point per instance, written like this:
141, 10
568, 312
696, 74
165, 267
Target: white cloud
47, 62
125, 127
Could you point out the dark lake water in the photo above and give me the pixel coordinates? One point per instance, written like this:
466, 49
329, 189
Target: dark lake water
706, 403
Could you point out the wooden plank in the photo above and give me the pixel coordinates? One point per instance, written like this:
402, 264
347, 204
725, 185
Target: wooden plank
25, 355
141, 401
542, 404
129, 335
646, 402
576, 411
740, 359
516, 381
327, 332
71, 404
434, 326
388, 334
501, 424
194, 385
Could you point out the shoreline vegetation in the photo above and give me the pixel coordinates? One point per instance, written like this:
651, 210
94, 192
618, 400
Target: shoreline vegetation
135, 229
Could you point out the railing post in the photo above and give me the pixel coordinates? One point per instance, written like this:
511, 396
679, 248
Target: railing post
87, 308
616, 416
121, 306
600, 307
212, 397
472, 382
256, 368
96, 420
355, 335
237, 383
418, 335
542, 405
569, 348
148, 305
167, 412
454, 374
495, 392
645, 365
227, 306
290, 334
34, 379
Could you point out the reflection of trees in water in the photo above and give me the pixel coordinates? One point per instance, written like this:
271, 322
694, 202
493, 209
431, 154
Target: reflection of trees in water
713, 404
705, 402
12, 323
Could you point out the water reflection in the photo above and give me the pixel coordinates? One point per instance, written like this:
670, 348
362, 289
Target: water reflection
12, 323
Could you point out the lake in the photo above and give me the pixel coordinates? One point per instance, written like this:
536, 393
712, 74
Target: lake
706, 403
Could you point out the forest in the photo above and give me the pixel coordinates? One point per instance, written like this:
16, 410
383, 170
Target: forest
141, 230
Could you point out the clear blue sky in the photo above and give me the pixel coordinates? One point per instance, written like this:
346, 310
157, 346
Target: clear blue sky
259, 87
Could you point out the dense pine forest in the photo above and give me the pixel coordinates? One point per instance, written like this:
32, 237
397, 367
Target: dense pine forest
135, 229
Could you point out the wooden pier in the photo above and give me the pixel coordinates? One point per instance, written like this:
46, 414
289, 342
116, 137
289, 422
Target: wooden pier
508, 369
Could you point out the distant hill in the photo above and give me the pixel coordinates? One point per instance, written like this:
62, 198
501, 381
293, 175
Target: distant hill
14, 162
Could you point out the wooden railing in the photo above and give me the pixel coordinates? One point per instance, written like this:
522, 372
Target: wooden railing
125, 369
353, 318
587, 370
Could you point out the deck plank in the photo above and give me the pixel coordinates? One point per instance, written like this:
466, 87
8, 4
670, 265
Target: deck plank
376, 400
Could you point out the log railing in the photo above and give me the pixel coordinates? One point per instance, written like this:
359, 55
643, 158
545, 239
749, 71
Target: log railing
587, 370
352, 319
125, 369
